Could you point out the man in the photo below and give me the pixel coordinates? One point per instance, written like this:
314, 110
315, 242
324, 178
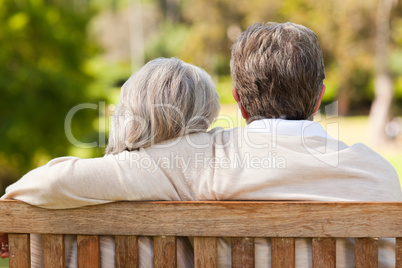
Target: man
278, 77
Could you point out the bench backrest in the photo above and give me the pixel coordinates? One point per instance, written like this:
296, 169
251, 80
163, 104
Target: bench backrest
205, 221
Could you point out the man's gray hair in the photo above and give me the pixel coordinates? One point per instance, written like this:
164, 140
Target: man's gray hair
165, 99
278, 70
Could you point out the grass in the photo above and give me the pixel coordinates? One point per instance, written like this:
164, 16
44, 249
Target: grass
3, 263
224, 88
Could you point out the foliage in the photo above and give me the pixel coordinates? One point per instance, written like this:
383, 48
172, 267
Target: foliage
207, 28
44, 49
168, 42
346, 30
50, 63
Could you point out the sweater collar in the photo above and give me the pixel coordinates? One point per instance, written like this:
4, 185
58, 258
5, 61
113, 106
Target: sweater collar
283, 127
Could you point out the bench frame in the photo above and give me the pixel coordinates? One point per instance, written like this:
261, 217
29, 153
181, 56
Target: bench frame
205, 221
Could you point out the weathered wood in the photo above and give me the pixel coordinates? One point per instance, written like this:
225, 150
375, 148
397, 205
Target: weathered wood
231, 219
282, 252
242, 252
205, 252
366, 252
324, 252
88, 251
53, 251
165, 255
126, 251
19, 250
398, 252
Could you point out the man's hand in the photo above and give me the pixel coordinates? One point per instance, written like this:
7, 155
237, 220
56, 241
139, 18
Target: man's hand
4, 246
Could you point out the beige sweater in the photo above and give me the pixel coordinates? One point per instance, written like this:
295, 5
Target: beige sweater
270, 159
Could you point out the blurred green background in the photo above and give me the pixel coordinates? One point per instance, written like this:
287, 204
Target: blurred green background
57, 54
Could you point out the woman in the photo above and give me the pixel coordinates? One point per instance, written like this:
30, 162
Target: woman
163, 101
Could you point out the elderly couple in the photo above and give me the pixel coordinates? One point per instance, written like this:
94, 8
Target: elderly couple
160, 149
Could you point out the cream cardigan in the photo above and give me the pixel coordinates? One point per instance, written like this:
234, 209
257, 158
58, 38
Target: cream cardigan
270, 159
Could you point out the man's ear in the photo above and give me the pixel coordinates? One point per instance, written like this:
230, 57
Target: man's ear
244, 113
319, 99
235, 95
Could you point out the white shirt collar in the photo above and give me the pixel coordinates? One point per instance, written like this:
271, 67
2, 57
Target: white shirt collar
302, 128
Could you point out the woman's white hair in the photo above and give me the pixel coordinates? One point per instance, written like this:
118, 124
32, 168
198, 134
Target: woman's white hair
165, 99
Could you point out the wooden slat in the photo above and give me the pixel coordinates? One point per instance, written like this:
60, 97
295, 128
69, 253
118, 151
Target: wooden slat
242, 252
205, 252
88, 251
398, 252
282, 252
366, 253
19, 250
53, 251
231, 219
324, 252
126, 251
165, 252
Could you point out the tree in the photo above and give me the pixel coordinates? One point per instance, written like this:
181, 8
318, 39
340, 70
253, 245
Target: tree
43, 75
383, 83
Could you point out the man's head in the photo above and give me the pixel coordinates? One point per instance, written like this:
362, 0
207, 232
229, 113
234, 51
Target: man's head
278, 71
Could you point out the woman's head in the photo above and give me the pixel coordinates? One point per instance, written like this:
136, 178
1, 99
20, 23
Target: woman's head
165, 99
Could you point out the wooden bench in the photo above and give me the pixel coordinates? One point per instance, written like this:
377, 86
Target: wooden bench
282, 221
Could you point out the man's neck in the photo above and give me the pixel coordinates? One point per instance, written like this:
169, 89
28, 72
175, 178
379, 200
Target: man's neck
249, 120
